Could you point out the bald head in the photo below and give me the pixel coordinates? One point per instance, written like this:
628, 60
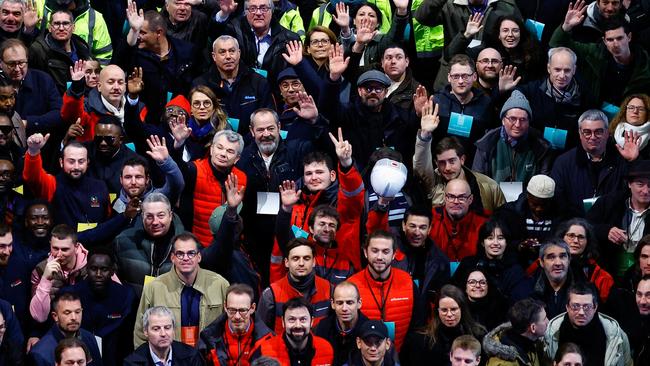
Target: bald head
488, 65
112, 84
458, 198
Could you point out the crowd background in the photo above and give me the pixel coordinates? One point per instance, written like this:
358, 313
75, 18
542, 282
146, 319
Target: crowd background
354, 182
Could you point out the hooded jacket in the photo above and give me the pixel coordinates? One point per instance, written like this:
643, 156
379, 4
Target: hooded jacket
504, 352
617, 352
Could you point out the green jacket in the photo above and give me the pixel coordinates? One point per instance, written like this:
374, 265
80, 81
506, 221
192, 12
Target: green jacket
166, 291
618, 347
592, 63
292, 21
427, 39
501, 354
90, 26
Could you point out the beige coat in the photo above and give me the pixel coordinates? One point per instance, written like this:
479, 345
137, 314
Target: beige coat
491, 195
166, 289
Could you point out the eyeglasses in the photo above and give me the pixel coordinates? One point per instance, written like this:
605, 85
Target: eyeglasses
202, 103
110, 140
513, 120
491, 61
190, 255
13, 64
597, 133
6, 129
572, 236
374, 89
460, 199
320, 42
261, 9
635, 108
474, 283
64, 25
293, 84
584, 307
464, 77
449, 310
241, 311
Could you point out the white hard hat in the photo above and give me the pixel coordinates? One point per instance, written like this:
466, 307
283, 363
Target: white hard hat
388, 177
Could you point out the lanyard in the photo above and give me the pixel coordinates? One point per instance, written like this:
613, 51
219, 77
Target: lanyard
382, 307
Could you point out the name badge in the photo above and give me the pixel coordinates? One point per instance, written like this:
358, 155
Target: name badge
535, 28
299, 233
556, 137
460, 124
283, 134
262, 72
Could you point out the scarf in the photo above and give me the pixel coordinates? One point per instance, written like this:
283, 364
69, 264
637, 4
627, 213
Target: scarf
570, 95
117, 112
643, 131
199, 131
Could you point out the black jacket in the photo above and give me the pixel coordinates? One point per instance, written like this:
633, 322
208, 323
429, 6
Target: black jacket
572, 173
249, 92
273, 61
342, 343
174, 75
182, 355
46, 55
212, 338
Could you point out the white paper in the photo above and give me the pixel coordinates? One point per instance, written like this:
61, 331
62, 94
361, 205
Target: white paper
511, 190
99, 344
268, 203
474, 43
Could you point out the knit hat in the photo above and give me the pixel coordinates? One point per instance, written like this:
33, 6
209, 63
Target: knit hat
180, 101
517, 100
541, 186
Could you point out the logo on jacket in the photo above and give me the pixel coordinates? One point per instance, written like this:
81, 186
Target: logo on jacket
94, 201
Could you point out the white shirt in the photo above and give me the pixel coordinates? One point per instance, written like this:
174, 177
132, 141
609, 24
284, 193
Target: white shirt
157, 361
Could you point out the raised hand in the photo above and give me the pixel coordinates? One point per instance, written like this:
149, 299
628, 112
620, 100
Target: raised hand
419, 99
430, 119
473, 25
30, 16
75, 130
338, 62
227, 7
365, 32
36, 142
342, 17
157, 149
234, 193
133, 208
507, 80
306, 107
575, 15
343, 149
51, 268
630, 149
134, 16
294, 53
289, 195
77, 70
179, 130
135, 85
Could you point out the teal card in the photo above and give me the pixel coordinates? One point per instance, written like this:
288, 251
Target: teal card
283, 134
610, 110
262, 72
556, 137
391, 330
460, 124
234, 123
299, 233
535, 28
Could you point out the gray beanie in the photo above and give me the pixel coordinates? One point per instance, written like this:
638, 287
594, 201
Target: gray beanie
516, 100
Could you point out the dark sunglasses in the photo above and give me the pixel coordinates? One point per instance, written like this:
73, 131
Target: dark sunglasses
110, 140
6, 129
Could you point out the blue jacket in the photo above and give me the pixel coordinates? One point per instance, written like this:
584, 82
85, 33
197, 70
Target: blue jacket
12, 332
15, 285
110, 316
42, 353
39, 102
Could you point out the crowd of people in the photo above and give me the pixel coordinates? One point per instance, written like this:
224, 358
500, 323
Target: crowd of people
352, 182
